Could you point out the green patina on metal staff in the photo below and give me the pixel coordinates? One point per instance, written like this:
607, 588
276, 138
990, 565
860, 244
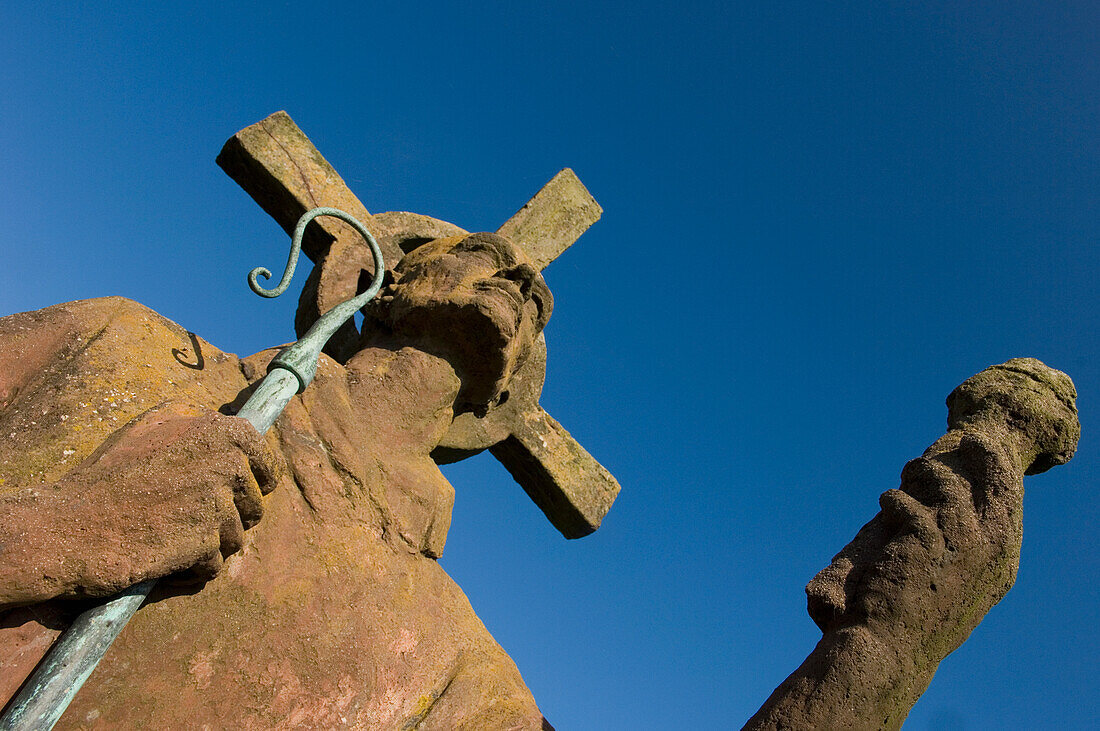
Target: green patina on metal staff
57, 679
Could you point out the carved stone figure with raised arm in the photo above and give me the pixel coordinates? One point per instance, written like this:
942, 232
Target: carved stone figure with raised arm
945, 547
303, 590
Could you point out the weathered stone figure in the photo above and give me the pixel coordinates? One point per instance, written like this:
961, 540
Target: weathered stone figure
319, 603
333, 615
117, 466
918, 578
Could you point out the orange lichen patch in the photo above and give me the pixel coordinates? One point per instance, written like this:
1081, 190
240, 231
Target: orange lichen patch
98, 364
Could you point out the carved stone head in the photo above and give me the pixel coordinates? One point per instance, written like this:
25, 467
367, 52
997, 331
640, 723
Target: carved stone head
472, 299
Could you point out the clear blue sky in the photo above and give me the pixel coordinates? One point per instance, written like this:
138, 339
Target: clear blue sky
819, 219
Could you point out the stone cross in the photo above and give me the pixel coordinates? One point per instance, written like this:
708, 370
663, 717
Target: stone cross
281, 169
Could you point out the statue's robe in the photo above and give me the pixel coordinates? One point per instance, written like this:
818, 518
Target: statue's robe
334, 614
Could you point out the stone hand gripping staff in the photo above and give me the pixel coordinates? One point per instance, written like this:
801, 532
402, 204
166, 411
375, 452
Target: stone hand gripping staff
48, 691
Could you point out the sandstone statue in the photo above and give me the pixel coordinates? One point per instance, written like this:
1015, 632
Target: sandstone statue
303, 589
945, 547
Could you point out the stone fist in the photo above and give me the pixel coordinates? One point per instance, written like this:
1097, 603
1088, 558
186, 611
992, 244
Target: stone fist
172, 491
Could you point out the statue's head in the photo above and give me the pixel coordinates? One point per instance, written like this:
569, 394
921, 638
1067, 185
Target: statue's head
473, 299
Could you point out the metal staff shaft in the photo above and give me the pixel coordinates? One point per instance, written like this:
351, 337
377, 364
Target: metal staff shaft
56, 680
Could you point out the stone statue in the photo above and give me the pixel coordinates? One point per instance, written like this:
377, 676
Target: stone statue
303, 589
945, 547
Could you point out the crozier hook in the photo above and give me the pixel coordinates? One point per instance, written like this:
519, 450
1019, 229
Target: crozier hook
296, 249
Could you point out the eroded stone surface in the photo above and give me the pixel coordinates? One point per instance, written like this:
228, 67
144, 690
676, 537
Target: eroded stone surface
571, 488
471, 433
332, 612
552, 220
945, 547
282, 170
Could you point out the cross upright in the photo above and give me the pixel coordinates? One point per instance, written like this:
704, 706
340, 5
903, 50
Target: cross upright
276, 164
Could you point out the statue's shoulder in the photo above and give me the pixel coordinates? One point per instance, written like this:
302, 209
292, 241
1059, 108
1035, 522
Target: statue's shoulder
120, 322
32, 343
102, 332
72, 373
75, 317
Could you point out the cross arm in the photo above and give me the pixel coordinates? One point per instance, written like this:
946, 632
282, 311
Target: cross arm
553, 219
571, 488
276, 164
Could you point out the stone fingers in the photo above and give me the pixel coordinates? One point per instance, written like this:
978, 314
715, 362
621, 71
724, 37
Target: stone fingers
247, 498
908, 515
208, 566
265, 466
234, 518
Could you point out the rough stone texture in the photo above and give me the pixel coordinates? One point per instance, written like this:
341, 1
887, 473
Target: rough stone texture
345, 270
551, 221
571, 488
282, 170
332, 612
483, 293
945, 548
130, 483
471, 433
406, 231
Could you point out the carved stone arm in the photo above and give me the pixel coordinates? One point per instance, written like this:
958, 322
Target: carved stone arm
944, 549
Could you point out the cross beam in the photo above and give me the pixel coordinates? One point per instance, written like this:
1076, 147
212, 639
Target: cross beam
276, 164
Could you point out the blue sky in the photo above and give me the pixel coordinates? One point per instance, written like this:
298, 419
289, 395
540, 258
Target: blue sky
819, 219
